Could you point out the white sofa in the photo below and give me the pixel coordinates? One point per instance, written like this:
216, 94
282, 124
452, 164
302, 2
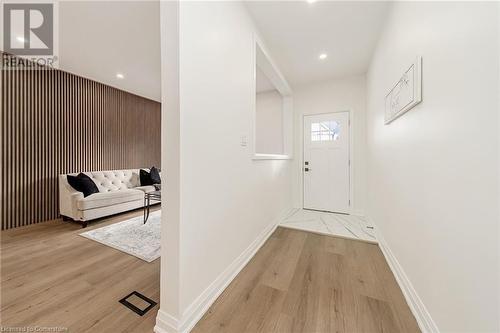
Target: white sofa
119, 191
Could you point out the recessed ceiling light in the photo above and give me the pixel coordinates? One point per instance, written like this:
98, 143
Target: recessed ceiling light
311, 1
20, 39
323, 56
120, 76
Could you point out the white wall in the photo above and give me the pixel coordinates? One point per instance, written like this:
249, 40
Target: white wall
230, 201
334, 96
170, 160
227, 200
498, 149
433, 173
269, 123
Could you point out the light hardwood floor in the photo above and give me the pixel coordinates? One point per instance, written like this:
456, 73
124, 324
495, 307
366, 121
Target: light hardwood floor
297, 282
52, 277
304, 282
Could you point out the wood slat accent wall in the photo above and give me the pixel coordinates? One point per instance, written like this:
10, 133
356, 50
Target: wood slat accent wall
54, 122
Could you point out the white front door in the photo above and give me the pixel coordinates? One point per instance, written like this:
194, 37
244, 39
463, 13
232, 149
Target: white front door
326, 162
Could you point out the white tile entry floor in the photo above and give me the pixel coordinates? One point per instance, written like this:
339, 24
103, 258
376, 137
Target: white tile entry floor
346, 226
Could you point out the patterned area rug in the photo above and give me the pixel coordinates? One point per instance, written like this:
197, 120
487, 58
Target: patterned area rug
132, 236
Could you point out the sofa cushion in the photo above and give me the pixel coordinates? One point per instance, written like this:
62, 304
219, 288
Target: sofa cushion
146, 189
105, 199
115, 180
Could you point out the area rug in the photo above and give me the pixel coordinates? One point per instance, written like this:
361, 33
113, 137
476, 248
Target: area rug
132, 236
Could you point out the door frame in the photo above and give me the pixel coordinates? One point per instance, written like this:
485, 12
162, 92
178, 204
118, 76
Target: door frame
351, 157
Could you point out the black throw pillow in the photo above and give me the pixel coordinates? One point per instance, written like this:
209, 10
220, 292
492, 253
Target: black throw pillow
150, 178
74, 182
155, 175
145, 178
83, 183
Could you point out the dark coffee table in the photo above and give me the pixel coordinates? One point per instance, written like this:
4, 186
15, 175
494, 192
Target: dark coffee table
155, 196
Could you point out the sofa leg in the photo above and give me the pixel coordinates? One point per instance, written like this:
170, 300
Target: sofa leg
84, 224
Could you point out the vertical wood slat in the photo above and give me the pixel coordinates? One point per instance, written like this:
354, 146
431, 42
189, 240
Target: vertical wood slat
53, 123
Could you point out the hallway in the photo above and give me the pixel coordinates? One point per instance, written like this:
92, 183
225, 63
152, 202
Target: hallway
304, 282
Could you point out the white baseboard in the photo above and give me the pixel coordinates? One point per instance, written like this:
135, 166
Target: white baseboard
165, 323
417, 307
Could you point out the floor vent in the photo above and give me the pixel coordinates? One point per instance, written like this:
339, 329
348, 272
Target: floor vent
138, 303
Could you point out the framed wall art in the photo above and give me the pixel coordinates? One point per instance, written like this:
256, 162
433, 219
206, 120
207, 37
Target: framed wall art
406, 93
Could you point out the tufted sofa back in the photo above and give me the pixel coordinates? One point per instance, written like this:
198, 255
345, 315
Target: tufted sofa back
114, 180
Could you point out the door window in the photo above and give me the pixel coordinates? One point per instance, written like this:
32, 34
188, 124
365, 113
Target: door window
325, 131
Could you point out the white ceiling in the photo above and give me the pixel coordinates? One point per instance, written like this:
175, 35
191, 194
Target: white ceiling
297, 32
98, 39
